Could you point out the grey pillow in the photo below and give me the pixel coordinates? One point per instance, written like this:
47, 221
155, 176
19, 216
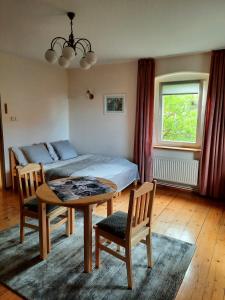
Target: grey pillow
19, 156
52, 152
37, 154
64, 149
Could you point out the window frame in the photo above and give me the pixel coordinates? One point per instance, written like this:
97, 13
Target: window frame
171, 144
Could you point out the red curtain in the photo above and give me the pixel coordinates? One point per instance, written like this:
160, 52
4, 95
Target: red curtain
212, 171
144, 118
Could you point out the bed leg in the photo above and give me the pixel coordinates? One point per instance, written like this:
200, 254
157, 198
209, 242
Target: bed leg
118, 194
135, 183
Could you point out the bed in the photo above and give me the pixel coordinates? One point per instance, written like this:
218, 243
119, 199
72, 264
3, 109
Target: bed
119, 170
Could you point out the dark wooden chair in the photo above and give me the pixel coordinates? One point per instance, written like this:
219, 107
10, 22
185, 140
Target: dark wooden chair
30, 177
127, 230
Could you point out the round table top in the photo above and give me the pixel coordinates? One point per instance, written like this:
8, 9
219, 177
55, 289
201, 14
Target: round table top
45, 194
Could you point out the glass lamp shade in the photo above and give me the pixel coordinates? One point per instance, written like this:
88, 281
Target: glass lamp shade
84, 64
91, 57
68, 53
50, 56
63, 62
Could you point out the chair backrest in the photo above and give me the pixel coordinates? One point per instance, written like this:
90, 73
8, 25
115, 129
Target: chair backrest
140, 207
29, 177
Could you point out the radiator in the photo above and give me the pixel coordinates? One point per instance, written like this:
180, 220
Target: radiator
178, 171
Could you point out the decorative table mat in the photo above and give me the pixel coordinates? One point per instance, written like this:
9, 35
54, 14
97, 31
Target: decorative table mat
79, 187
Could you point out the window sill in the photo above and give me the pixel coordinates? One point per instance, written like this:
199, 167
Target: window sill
177, 148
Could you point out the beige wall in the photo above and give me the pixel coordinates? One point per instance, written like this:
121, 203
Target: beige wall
36, 94
90, 129
183, 63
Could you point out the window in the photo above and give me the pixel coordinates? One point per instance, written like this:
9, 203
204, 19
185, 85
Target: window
180, 113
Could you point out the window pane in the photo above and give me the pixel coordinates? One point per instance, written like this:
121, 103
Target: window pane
179, 118
181, 88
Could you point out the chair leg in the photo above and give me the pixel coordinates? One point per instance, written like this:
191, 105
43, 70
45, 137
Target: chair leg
22, 220
97, 249
149, 250
13, 182
129, 267
68, 223
48, 229
72, 220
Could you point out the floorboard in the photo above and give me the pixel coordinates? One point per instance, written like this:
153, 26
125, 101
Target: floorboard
178, 214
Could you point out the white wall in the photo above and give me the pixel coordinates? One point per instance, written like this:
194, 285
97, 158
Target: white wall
91, 130
36, 94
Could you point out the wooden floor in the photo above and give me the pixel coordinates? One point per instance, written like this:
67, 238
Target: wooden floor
181, 215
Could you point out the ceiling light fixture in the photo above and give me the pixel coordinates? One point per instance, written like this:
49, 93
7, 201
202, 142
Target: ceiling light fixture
70, 49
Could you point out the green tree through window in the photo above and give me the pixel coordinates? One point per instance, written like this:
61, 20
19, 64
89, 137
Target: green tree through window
180, 112
180, 117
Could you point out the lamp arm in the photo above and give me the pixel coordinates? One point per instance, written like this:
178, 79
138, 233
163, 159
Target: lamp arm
74, 46
81, 50
79, 40
87, 43
66, 42
53, 42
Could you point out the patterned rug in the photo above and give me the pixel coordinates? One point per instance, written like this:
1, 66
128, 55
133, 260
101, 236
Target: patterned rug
61, 275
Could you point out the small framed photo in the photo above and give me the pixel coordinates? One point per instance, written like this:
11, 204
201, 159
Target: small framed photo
114, 103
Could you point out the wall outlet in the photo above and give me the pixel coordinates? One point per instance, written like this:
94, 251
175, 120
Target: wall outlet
13, 118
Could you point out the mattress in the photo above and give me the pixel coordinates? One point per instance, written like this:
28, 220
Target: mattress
119, 170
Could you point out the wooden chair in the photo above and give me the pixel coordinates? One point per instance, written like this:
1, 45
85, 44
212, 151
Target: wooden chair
13, 165
30, 177
127, 230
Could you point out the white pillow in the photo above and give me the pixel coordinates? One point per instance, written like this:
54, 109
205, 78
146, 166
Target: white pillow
52, 152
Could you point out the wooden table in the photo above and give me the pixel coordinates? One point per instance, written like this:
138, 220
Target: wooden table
46, 196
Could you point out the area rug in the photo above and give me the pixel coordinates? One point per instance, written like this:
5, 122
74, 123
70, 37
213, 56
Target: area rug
61, 276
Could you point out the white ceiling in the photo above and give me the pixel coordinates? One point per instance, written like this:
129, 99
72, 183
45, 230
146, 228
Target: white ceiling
119, 30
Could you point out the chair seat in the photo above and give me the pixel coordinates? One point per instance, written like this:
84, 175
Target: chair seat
115, 224
32, 205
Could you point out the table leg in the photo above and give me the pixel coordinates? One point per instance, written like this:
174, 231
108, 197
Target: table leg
109, 207
72, 220
87, 238
42, 230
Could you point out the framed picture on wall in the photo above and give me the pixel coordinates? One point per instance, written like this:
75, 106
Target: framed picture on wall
114, 103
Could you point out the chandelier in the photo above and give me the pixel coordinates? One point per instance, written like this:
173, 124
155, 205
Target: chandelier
70, 49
